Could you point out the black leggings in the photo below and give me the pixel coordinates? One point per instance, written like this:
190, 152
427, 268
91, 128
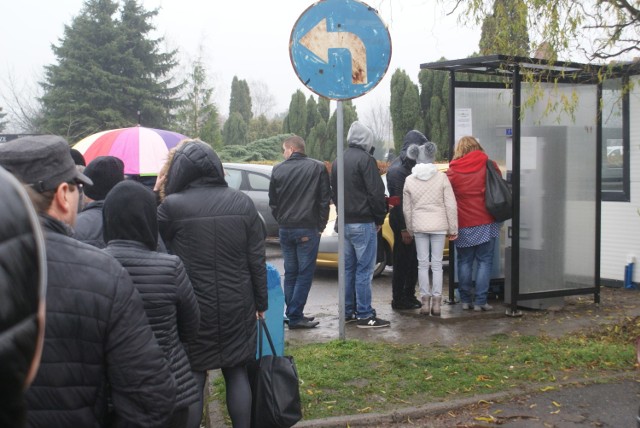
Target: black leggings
236, 381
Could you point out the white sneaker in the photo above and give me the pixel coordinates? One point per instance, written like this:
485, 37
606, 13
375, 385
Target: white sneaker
466, 306
485, 307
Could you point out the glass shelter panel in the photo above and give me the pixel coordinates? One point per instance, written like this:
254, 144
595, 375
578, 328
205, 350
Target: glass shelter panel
485, 113
558, 188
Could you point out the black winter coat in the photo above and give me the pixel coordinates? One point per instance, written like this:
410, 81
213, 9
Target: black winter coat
217, 233
21, 264
171, 306
397, 174
88, 227
97, 342
364, 198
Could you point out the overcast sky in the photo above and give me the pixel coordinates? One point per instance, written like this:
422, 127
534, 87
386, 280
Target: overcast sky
244, 38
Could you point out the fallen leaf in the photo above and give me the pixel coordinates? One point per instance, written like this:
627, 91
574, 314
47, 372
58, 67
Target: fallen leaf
485, 418
547, 388
555, 403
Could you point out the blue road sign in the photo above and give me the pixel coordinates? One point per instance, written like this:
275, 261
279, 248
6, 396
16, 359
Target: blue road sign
340, 49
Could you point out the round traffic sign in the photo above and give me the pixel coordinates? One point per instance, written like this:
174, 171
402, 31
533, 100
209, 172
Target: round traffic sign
340, 49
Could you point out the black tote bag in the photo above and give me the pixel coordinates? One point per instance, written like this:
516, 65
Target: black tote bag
274, 387
498, 200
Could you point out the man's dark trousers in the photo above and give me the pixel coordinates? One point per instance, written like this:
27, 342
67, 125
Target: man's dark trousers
405, 270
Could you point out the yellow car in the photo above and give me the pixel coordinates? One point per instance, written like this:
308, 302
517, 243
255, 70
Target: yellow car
328, 249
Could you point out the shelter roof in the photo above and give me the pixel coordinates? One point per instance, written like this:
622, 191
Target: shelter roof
542, 69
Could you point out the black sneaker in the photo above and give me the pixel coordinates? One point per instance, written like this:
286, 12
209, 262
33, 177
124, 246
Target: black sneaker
350, 319
304, 324
413, 301
306, 318
401, 305
373, 322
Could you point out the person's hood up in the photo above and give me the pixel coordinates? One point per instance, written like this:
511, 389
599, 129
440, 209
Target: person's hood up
194, 160
360, 136
424, 171
130, 213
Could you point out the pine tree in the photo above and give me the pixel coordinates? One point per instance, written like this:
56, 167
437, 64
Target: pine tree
240, 99
3, 123
405, 107
107, 70
235, 130
505, 32
197, 117
296, 120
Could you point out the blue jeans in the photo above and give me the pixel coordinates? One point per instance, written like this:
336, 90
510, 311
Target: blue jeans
300, 251
483, 255
360, 250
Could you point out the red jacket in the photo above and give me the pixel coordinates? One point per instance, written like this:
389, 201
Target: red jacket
468, 176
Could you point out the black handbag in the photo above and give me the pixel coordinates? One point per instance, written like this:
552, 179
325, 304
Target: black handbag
274, 387
497, 200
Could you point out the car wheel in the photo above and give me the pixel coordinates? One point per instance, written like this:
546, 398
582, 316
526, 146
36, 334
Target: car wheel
383, 258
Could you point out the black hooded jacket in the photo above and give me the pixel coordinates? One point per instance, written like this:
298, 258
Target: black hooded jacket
98, 343
363, 186
217, 233
397, 173
21, 267
88, 227
131, 232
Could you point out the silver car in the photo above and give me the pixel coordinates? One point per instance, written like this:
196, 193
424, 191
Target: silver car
253, 180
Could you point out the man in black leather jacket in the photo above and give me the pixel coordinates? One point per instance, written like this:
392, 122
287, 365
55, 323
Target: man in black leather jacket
405, 258
299, 197
101, 363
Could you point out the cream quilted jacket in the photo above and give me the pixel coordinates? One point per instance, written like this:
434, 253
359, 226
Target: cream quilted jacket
429, 204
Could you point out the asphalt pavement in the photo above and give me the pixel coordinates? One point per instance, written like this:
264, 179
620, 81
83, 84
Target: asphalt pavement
600, 401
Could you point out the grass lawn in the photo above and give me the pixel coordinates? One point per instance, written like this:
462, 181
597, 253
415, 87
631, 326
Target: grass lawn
346, 377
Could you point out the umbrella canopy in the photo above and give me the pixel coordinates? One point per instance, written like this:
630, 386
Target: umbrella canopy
143, 150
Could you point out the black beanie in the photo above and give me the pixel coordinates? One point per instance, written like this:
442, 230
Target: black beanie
105, 172
78, 159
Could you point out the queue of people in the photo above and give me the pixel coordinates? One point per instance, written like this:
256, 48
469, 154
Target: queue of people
133, 327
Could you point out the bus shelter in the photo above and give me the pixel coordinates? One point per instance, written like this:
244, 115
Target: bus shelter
541, 122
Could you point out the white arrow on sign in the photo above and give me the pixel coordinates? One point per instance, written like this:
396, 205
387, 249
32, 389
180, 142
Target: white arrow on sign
318, 40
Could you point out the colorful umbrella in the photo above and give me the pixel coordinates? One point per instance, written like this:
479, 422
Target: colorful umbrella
143, 150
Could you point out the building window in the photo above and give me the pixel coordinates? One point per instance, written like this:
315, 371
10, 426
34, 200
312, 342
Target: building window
615, 140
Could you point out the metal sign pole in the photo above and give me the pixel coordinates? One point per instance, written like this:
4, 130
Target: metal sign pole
328, 35
340, 165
